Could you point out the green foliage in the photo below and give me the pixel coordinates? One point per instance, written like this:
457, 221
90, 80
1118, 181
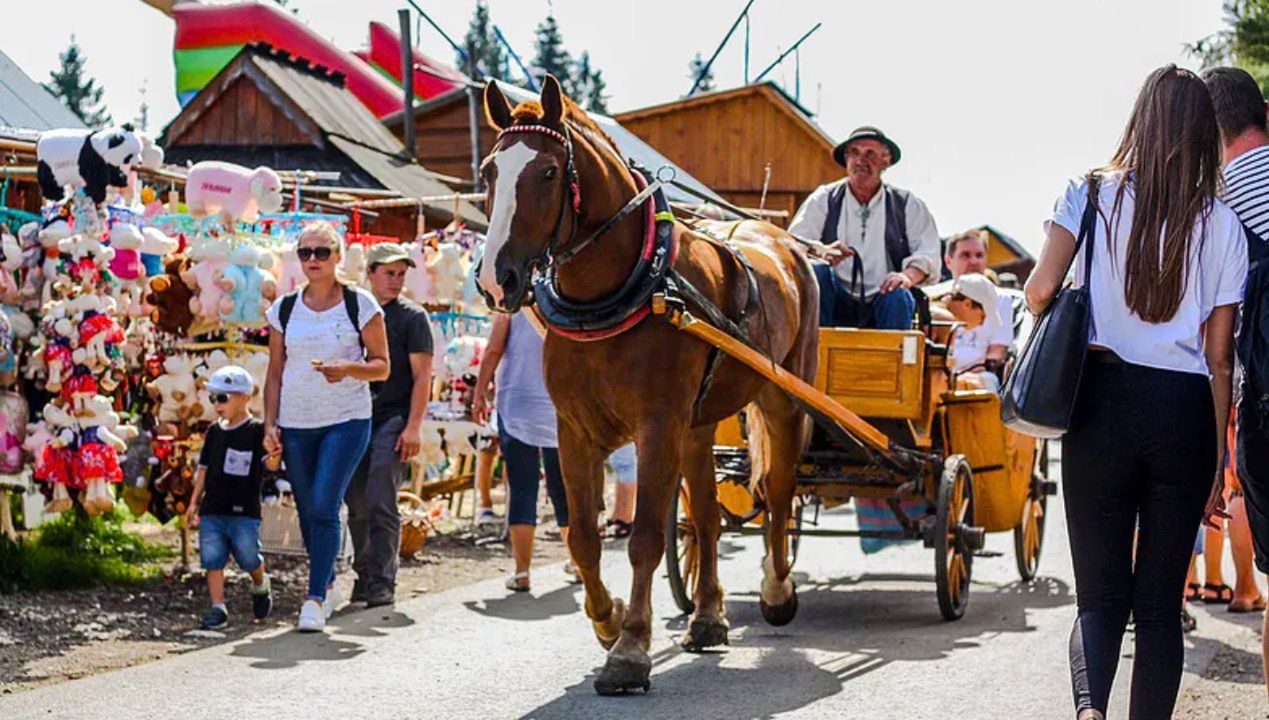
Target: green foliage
581, 81
79, 93
694, 68
76, 551
482, 43
589, 86
1244, 42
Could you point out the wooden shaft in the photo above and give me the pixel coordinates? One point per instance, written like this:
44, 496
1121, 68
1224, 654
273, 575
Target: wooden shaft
790, 383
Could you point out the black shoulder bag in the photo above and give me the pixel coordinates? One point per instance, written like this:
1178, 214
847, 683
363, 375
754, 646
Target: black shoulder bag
1039, 395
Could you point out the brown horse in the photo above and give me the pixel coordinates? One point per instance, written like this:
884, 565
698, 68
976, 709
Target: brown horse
554, 178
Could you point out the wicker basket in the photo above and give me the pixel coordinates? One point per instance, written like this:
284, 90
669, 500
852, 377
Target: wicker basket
414, 523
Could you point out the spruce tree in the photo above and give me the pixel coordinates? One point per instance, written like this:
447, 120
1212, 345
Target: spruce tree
490, 57
589, 86
78, 92
551, 56
694, 70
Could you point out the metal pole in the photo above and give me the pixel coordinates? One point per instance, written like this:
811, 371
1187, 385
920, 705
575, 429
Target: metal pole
785, 54
746, 48
473, 121
533, 83
457, 48
712, 58
407, 81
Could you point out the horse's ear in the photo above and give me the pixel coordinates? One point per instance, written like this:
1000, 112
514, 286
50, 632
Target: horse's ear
552, 101
497, 109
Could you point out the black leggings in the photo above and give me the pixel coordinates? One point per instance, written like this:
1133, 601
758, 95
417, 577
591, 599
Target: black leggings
1142, 457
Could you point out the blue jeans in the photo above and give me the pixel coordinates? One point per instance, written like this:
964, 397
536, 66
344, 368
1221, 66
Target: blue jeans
320, 464
525, 465
222, 535
884, 311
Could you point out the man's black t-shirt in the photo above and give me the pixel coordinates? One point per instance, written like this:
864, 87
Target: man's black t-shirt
409, 331
234, 459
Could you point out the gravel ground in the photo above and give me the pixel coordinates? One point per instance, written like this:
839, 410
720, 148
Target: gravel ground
56, 636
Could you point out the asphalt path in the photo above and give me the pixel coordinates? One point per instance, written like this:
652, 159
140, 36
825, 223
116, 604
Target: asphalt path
868, 642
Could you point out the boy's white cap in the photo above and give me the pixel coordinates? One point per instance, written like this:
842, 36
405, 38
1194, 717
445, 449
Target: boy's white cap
231, 379
978, 288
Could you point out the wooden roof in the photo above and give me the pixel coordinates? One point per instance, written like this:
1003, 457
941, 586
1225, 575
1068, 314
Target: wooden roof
279, 110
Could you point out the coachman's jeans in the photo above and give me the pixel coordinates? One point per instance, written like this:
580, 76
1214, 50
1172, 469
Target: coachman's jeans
885, 311
1140, 461
319, 464
373, 517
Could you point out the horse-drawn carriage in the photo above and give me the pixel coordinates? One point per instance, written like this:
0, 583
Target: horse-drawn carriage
939, 458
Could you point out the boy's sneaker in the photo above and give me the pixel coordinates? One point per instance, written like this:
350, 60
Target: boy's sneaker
312, 619
262, 599
215, 618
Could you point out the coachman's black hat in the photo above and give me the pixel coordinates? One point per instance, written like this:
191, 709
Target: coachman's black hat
866, 132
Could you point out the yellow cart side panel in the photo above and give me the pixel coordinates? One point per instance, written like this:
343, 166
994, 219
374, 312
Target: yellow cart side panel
873, 373
974, 430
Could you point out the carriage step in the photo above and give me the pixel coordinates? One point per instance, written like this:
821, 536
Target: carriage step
1048, 487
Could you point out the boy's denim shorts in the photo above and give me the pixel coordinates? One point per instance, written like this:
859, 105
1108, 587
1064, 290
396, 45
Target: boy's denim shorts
624, 464
220, 535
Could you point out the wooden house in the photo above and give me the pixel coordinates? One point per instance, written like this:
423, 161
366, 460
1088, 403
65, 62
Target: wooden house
729, 138
269, 108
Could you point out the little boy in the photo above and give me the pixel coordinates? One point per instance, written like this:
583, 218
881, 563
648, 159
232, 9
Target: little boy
225, 506
973, 303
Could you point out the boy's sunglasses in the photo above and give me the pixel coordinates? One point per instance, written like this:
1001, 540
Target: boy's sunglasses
219, 398
307, 253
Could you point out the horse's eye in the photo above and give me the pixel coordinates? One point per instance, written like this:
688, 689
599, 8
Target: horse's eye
550, 172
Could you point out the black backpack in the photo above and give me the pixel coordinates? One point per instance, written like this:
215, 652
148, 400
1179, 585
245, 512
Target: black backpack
1252, 341
350, 304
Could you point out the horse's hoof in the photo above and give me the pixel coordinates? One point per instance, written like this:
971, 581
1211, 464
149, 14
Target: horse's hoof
782, 614
705, 633
615, 618
621, 674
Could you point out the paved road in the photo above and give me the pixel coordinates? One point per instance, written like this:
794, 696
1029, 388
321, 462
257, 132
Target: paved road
868, 643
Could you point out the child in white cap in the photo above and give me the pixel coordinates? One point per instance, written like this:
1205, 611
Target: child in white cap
225, 506
973, 303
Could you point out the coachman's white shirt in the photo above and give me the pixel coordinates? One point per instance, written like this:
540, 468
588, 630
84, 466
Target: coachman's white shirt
865, 232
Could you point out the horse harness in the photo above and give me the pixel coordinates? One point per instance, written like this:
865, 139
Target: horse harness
653, 273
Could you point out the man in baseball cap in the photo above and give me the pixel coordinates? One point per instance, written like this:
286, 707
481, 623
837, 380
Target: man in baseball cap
882, 239
396, 428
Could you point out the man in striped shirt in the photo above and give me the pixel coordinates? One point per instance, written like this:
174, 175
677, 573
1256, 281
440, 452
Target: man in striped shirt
1241, 113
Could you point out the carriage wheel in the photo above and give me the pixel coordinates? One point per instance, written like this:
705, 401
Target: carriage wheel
952, 557
1028, 537
795, 529
682, 552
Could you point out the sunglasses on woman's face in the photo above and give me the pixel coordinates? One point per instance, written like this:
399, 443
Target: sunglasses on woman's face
219, 398
307, 253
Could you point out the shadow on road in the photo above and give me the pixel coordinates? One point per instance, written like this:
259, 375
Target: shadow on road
289, 649
371, 622
527, 606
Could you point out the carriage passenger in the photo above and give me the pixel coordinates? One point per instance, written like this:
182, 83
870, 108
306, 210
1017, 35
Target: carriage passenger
882, 239
973, 302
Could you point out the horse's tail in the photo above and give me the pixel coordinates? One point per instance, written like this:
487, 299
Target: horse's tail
759, 444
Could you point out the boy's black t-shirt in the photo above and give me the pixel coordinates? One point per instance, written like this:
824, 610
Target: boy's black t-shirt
234, 460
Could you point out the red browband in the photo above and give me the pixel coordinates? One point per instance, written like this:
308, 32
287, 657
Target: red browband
540, 129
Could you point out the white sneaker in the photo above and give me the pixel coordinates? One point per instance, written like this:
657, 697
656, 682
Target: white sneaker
485, 516
332, 602
311, 617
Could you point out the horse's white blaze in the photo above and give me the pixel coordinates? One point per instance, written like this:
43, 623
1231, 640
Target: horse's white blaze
510, 163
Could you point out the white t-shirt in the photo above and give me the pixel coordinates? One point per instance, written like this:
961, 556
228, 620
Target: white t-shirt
308, 401
1216, 274
970, 346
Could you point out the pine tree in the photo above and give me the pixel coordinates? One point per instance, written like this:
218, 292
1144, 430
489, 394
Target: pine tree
589, 85
551, 56
694, 70
78, 92
1245, 41
490, 57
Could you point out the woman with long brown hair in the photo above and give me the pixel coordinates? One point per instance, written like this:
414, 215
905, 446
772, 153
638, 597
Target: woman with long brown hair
1168, 265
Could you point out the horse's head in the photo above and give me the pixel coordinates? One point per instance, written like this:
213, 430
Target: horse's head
532, 191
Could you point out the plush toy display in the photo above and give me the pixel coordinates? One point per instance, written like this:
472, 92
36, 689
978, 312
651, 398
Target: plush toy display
126, 241
170, 298
211, 256
288, 270
446, 269
176, 389
249, 288
418, 280
353, 267
85, 159
235, 192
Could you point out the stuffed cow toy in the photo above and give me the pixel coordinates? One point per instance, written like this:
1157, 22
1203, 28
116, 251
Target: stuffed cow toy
235, 192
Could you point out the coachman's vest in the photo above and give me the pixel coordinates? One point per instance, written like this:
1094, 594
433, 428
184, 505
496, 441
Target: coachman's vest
897, 246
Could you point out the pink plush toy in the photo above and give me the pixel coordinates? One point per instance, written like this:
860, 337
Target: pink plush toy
212, 258
242, 194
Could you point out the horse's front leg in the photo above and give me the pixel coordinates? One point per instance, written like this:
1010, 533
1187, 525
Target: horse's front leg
582, 465
660, 448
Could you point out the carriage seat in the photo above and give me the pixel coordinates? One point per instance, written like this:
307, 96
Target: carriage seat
874, 373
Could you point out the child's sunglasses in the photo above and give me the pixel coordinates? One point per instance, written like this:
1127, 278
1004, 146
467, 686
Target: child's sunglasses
219, 398
306, 253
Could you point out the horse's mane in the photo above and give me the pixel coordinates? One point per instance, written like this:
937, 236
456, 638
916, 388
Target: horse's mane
530, 111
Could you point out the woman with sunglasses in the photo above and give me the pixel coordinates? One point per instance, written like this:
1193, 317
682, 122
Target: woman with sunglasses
1140, 465
327, 343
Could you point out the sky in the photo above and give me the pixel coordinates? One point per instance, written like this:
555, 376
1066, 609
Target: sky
994, 102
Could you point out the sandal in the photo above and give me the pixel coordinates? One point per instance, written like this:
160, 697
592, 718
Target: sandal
518, 582
1257, 605
617, 530
1224, 594
1188, 623
1193, 592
